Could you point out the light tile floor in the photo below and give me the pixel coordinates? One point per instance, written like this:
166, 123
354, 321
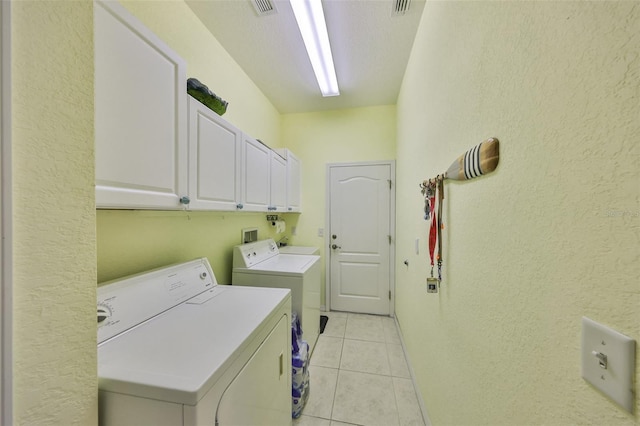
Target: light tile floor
359, 375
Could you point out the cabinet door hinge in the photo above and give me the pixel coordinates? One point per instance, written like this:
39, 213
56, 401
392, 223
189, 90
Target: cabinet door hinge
389, 183
389, 294
389, 238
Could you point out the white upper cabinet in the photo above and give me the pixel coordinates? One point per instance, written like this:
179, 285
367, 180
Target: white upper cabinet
229, 170
255, 174
215, 151
278, 183
140, 115
157, 148
294, 181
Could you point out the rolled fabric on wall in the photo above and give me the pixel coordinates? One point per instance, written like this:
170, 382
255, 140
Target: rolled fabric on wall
479, 160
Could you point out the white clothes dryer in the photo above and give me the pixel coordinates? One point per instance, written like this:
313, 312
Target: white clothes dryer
260, 264
176, 348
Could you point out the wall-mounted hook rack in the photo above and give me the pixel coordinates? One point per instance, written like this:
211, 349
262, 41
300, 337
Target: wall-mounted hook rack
479, 160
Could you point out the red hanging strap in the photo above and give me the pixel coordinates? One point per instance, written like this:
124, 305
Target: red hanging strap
440, 226
433, 232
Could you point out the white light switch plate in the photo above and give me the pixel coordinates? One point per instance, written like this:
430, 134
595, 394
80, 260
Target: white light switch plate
616, 380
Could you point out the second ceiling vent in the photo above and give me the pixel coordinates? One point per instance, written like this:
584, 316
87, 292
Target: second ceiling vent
264, 7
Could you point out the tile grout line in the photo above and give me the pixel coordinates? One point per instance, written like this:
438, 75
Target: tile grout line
335, 390
395, 395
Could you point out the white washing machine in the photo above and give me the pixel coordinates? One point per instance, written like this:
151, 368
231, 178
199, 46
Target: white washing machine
176, 348
261, 264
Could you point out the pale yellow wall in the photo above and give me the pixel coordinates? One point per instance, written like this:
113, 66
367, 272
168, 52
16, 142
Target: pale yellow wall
349, 135
551, 236
134, 241
54, 286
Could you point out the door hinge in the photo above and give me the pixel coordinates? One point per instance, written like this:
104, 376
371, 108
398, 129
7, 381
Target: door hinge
389, 183
389, 238
389, 294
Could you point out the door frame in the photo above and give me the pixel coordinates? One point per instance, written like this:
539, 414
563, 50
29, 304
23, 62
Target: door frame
392, 229
6, 262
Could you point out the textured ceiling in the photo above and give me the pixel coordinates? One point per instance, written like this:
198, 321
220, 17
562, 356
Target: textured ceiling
370, 45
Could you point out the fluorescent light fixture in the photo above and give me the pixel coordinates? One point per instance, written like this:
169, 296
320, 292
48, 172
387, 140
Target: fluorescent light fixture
310, 18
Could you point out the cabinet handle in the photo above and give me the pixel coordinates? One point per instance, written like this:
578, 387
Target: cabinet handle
239, 206
281, 363
185, 200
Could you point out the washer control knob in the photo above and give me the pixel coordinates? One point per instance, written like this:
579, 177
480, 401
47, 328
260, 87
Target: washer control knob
104, 313
203, 275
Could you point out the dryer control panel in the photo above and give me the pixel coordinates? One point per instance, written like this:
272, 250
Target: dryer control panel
129, 301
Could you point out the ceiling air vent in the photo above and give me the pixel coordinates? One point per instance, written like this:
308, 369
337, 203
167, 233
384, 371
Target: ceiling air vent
264, 7
400, 7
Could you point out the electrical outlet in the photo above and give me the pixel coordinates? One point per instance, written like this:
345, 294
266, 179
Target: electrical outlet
608, 362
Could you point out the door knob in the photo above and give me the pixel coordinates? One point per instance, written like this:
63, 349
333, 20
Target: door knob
334, 236
335, 247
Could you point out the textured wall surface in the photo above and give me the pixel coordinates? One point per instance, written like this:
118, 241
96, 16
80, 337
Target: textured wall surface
552, 235
54, 285
350, 135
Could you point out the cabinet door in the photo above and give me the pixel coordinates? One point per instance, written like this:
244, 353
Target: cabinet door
214, 160
255, 182
278, 190
294, 183
140, 114
294, 180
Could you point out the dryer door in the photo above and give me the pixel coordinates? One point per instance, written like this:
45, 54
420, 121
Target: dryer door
261, 393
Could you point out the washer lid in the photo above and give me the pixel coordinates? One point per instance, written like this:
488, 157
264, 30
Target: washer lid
179, 355
299, 250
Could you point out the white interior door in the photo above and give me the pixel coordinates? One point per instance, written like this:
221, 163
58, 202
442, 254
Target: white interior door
360, 238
